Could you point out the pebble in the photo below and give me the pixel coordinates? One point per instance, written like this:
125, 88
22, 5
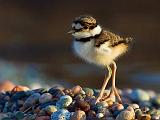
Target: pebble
82, 105
64, 101
126, 115
20, 88
32, 100
77, 104
78, 115
88, 91
145, 117
61, 114
50, 109
102, 104
56, 93
19, 115
76, 89
45, 97
100, 115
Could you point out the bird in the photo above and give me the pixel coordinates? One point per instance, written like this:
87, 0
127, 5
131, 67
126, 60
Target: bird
96, 45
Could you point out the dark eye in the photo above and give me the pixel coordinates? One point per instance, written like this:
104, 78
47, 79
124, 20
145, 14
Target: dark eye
85, 27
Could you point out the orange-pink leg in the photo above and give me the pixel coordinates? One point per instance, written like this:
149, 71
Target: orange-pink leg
104, 84
114, 91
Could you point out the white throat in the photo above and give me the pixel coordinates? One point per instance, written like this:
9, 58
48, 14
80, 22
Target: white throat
84, 34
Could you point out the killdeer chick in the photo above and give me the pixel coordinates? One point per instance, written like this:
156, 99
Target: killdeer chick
96, 45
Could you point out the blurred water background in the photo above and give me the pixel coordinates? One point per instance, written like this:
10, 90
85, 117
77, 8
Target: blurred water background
35, 49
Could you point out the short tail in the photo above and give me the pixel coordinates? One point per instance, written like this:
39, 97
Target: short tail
128, 40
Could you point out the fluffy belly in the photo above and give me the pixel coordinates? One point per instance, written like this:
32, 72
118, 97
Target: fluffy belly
89, 53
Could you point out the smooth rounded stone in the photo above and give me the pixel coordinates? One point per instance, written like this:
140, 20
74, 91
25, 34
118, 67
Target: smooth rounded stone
32, 100
64, 101
139, 95
134, 106
110, 103
61, 114
117, 107
101, 105
145, 117
91, 115
82, 105
68, 92
20, 88
100, 115
129, 108
76, 89
46, 97
92, 101
88, 91
18, 95
19, 115
79, 97
50, 109
126, 115
78, 115
56, 93
138, 113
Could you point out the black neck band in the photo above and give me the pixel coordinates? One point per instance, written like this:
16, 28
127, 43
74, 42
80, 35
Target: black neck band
88, 38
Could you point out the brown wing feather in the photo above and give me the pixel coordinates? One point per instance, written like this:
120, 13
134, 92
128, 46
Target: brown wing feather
107, 36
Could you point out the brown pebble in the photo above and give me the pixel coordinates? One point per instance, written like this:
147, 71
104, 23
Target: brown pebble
110, 102
76, 89
20, 88
68, 92
82, 105
91, 115
78, 115
145, 117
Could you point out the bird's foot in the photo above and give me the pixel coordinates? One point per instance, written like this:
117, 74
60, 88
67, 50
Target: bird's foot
112, 96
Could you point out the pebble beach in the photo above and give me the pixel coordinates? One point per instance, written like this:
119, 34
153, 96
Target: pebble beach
77, 103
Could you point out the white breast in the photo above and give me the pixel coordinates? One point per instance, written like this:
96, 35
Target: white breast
87, 51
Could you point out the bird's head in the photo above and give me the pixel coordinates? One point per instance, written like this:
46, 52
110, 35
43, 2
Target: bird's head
84, 27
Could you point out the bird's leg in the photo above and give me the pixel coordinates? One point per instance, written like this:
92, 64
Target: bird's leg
114, 92
104, 84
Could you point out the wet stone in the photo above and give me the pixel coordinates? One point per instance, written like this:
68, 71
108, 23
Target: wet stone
88, 91
61, 114
32, 100
56, 93
78, 115
46, 97
64, 101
